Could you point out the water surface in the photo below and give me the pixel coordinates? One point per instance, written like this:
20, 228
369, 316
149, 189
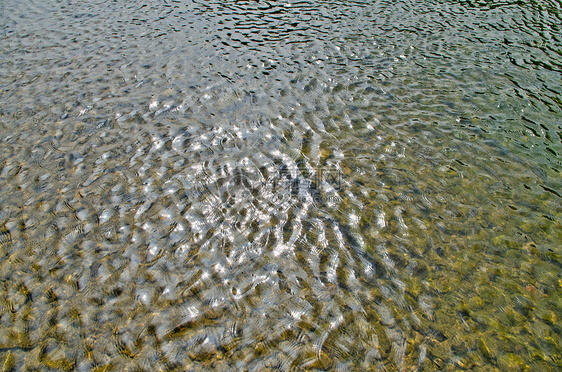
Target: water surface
282, 185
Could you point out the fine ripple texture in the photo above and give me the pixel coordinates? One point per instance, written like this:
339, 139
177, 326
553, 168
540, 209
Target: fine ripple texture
280, 185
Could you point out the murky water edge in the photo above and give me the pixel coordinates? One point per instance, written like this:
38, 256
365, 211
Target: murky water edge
280, 185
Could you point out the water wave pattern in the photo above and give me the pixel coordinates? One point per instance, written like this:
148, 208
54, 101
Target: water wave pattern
280, 185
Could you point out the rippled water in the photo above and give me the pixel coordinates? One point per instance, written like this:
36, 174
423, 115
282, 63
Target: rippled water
280, 185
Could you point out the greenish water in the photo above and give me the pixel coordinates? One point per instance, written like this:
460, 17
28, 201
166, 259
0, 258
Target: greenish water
282, 185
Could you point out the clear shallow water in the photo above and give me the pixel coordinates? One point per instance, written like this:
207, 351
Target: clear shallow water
280, 185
